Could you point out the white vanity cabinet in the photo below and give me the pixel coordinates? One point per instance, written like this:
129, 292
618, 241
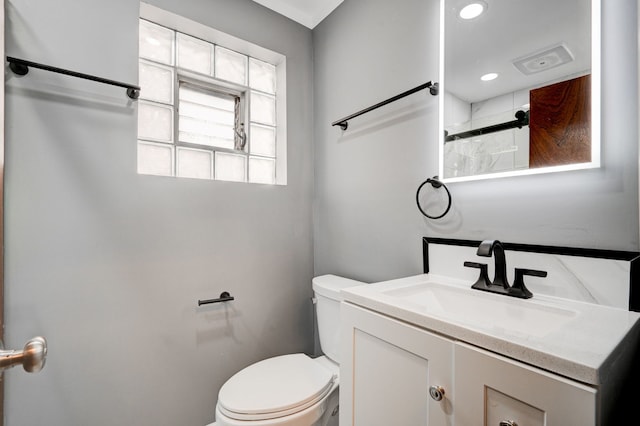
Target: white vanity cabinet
389, 366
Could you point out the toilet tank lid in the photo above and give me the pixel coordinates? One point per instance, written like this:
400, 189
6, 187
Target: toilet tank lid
330, 285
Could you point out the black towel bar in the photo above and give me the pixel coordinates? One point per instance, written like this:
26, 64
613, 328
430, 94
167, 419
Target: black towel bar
21, 67
522, 119
343, 122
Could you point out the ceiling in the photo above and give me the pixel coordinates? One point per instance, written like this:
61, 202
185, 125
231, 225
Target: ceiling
510, 30
306, 12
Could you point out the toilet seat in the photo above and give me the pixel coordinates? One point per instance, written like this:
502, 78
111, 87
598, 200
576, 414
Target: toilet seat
275, 387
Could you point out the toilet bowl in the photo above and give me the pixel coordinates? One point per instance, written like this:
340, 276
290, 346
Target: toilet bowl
285, 390
294, 389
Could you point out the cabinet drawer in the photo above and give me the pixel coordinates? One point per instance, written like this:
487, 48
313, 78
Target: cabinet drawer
498, 389
502, 410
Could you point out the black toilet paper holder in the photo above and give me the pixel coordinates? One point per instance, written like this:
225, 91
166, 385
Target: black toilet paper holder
224, 297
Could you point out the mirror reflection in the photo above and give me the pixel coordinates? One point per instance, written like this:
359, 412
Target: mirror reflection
518, 87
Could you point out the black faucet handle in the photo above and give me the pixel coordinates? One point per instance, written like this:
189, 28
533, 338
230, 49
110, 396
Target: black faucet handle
482, 283
530, 272
518, 289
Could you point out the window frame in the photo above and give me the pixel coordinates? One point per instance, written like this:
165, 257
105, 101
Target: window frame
204, 84
181, 25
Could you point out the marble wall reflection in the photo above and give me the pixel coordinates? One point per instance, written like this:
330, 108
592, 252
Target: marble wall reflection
502, 151
587, 279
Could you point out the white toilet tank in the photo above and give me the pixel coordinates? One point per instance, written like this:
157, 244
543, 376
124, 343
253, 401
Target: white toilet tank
327, 293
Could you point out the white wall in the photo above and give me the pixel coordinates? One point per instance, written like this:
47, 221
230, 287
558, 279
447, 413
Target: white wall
366, 223
109, 265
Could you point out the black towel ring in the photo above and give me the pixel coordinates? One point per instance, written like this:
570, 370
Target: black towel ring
436, 183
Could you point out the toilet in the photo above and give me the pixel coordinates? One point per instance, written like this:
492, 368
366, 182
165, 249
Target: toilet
294, 389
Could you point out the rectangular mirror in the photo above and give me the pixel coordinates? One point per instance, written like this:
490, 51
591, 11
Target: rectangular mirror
520, 87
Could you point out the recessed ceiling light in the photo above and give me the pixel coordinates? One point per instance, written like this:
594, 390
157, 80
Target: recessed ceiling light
490, 76
473, 10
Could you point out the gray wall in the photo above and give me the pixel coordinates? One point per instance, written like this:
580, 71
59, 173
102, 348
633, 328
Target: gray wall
109, 265
366, 222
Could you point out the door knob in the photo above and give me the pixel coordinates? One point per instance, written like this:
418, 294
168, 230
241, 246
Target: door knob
436, 392
32, 356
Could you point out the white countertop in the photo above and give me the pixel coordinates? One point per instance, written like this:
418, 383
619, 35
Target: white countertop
578, 340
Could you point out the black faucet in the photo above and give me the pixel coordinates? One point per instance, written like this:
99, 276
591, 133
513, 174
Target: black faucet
500, 284
486, 249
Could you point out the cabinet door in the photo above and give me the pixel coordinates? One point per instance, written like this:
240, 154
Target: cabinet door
491, 389
386, 370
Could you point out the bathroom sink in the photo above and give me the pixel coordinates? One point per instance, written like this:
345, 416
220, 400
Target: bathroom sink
567, 337
475, 308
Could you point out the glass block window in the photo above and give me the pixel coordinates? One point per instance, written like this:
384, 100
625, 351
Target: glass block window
206, 111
